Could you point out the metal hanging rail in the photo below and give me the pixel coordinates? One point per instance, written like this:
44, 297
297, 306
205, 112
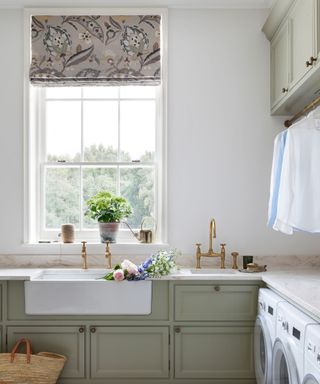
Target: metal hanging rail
305, 110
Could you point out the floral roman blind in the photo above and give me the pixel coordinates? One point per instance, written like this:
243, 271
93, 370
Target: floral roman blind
95, 50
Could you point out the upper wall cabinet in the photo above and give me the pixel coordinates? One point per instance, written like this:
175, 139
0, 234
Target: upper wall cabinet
293, 30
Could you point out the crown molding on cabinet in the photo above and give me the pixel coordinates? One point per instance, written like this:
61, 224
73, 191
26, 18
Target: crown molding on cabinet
278, 11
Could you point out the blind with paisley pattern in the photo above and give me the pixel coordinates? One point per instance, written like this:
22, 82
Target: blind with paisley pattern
95, 50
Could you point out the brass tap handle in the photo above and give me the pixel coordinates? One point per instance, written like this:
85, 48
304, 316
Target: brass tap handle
234, 260
198, 255
108, 254
223, 255
84, 255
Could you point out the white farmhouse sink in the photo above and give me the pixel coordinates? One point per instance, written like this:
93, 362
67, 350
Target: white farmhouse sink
82, 292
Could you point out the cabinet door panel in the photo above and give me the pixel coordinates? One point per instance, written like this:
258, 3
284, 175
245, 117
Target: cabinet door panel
129, 352
214, 353
279, 64
302, 38
66, 341
215, 302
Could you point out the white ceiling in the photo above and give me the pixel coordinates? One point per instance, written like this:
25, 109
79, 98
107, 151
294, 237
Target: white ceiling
138, 3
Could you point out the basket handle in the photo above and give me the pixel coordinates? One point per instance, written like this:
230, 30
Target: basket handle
15, 348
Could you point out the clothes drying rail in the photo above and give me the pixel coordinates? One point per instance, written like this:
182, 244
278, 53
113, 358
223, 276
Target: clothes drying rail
305, 110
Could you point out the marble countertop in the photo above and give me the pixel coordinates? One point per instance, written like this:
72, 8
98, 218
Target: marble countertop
301, 287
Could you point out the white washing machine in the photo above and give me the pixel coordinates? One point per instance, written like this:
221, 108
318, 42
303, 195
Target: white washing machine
312, 355
288, 349
265, 334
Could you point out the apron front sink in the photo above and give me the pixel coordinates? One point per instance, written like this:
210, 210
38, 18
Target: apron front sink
83, 292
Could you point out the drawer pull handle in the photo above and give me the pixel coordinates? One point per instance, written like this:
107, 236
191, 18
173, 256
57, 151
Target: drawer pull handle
81, 329
217, 288
93, 330
177, 329
284, 90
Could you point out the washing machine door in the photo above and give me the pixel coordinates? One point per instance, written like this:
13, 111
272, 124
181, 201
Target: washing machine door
262, 351
310, 379
284, 367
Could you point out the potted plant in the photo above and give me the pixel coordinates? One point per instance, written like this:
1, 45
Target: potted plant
109, 210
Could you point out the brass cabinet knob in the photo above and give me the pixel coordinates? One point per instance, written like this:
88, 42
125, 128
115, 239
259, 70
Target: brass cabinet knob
81, 329
217, 288
93, 330
284, 90
311, 61
177, 329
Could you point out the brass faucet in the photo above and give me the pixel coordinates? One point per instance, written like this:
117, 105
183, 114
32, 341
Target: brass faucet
108, 255
84, 255
211, 253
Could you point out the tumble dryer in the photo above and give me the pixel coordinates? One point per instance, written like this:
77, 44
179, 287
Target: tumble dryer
287, 360
265, 333
312, 355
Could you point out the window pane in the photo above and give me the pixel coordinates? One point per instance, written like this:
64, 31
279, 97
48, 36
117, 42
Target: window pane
100, 130
100, 92
63, 133
62, 196
137, 185
136, 92
63, 92
95, 180
137, 130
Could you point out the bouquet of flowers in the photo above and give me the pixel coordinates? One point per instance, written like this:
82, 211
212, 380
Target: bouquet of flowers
159, 264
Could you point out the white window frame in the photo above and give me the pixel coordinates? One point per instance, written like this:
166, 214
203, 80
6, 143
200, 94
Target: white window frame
32, 140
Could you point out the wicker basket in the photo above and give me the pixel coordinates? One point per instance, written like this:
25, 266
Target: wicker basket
21, 368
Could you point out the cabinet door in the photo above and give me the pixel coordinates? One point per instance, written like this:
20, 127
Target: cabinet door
129, 352
302, 32
279, 65
214, 353
215, 302
67, 341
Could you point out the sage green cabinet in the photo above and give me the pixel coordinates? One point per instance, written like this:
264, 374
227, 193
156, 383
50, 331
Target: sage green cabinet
280, 65
213, 352
214, 302
65, 340
129, 352
293, 32
303, 39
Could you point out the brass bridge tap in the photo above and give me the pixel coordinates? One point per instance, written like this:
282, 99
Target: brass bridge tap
84, 255
211, 253
108, 255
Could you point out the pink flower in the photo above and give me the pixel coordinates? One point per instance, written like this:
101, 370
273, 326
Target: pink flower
130, 267
118, 275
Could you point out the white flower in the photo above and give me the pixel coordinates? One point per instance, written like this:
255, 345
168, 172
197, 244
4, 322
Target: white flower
130, 267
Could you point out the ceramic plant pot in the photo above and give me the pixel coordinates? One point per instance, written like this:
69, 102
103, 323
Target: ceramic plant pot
108, 232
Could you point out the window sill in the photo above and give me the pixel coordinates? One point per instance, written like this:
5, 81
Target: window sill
92, 248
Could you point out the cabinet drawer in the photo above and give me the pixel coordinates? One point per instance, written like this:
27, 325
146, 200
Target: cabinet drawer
214, 353
215, 302
68, 341
129, 352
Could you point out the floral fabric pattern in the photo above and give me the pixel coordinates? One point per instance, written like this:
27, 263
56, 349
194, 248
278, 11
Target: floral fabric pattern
95, 50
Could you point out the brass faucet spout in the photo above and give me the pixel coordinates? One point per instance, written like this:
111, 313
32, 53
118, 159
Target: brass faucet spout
212, 234
211, 253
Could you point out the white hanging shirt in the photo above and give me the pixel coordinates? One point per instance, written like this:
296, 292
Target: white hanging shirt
299, 190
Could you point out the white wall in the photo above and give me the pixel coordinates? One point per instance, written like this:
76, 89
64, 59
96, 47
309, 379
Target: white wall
220, 134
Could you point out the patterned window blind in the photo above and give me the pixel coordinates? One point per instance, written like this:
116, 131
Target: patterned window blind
95, 50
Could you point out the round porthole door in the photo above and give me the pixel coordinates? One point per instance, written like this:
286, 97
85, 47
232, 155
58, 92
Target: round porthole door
262, 351
284, 368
